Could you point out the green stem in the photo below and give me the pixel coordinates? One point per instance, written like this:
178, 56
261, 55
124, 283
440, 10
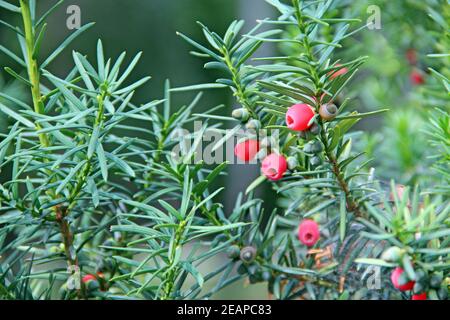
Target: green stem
82, 178
34, 76
68, 237
240, 90
171, 276
306, 44
156, 158
38, 105
33, 68
352, 205
80, 183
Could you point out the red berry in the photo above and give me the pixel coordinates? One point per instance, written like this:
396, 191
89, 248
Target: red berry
298, 117
246, 150
395, 276
274, 166
338, 73
308, 232
88, 277
420, 296
416, 78
411, 56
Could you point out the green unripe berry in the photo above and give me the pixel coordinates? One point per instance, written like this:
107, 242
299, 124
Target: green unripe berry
313, 147
54, 249
317, 147
253, 125
436, 280
266, 275
237, 113
443, 293
292, 163
233, 252
248, 254
252, 269
418, 288
315, 161
93, 285
242, 269
308, 147
421, 276
240, 114
262, 154
315, 129
110, 263
392, 254
245, 115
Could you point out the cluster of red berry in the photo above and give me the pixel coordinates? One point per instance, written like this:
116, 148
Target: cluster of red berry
274, 165
299, 117
398, 280
424, 283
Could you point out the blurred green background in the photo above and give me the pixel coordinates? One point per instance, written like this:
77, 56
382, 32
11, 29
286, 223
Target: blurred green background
150, 26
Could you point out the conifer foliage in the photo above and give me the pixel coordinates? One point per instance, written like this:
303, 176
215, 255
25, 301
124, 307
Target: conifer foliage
97, 207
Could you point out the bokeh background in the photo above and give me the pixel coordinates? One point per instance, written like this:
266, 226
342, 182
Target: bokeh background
393, 140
